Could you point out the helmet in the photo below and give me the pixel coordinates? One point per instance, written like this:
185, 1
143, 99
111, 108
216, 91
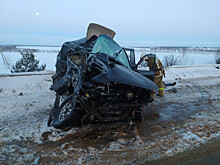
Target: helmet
143, 54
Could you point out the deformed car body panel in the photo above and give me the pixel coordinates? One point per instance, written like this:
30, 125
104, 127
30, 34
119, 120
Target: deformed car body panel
121, 74
98, 84
72, 46
107, 49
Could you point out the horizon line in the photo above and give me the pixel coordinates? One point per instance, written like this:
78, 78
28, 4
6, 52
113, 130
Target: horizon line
161, 46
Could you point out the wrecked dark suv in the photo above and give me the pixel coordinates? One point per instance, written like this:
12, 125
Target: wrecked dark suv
95, 83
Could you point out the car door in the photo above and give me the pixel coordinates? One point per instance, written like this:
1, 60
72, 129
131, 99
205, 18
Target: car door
138, 67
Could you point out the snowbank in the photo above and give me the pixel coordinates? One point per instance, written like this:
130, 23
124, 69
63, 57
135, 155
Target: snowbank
190, 72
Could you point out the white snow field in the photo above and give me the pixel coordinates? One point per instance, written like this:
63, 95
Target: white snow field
47, 55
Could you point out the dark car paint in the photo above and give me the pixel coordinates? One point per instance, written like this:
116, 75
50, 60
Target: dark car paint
77, 81
121, 74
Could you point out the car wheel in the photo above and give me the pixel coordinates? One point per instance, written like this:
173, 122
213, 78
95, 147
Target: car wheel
69, 114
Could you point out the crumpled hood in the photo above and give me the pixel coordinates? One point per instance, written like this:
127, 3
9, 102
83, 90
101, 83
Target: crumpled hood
121, 74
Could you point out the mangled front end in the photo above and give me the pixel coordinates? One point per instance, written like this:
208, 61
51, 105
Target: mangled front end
97, 85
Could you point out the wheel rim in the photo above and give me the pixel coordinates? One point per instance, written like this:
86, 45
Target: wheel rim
65, 111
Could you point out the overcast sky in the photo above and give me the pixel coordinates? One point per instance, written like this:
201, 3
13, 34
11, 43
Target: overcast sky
136, 22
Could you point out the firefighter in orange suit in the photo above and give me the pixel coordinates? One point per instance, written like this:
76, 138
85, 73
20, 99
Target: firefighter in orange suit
159, 73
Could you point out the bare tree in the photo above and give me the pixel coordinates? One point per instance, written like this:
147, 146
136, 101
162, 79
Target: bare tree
170, 60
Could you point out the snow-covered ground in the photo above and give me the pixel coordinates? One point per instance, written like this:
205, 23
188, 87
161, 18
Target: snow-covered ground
186, 119
22, 100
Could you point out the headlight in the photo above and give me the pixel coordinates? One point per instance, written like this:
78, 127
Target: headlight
129, 95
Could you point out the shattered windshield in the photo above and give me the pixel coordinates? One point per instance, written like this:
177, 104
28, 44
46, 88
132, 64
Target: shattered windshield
105, 44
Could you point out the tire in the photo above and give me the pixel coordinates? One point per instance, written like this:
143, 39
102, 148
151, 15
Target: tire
69, 114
